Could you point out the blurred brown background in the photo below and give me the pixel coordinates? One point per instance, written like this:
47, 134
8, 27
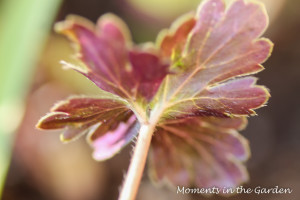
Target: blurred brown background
44, 169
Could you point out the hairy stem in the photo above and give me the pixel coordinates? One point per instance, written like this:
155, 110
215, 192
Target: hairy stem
137, 164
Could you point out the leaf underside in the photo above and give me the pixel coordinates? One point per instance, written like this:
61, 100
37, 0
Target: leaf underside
105, 121
202, 106
194, 86
200, 151
110, 60
222, 46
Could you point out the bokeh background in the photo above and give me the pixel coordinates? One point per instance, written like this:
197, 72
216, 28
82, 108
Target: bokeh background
42, 168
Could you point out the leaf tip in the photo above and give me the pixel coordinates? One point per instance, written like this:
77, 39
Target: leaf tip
117, 22
174, 26
63, 139
39, 125
69, 23
68, 66
243, 124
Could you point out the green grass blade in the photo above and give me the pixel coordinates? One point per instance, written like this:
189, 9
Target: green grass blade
24, 26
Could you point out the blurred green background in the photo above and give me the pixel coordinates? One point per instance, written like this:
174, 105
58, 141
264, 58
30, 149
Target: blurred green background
32, 80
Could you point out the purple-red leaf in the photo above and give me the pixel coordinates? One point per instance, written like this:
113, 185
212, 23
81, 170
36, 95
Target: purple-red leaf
202, 151
148, 70
222, 45
112, 142
172, 42
111, 61
193, 88
78, 115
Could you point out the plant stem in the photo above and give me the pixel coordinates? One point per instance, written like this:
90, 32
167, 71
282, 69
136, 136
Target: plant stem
137, 164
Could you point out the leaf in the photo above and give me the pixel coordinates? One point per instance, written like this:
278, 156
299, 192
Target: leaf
149, 71
201, 151
222, 45
110, 143
111, 61
193, 89
77, 116
171, 42
130, 75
